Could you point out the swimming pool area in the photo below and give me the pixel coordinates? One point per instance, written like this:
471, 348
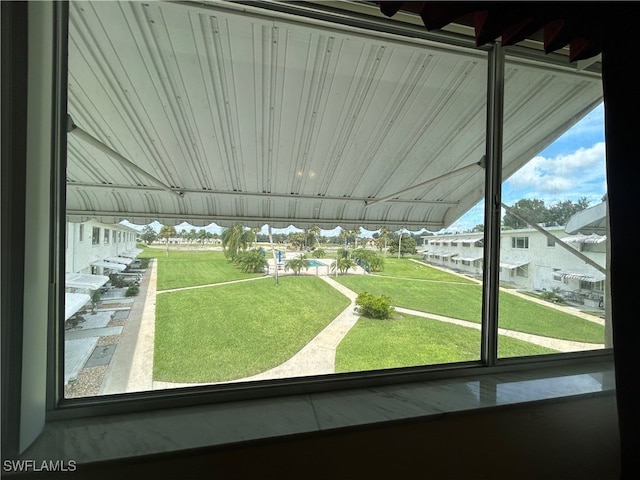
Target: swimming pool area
315, 263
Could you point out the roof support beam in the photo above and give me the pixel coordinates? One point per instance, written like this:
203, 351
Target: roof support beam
82, 185
91, 140
419, 186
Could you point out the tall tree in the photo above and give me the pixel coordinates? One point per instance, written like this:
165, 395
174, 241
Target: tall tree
534, 210
167, 232
561, 212
236, 238
315, 231
148, 235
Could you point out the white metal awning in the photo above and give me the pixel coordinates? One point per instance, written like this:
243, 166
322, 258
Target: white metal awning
74, 302
122, 260
248, 117
113, 266
131, 253
468, 259
591, 277
78, 280
593, 238
510, 265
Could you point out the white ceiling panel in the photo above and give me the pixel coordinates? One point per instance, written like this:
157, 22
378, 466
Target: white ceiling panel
269, 120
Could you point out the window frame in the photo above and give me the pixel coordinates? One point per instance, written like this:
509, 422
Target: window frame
60, 407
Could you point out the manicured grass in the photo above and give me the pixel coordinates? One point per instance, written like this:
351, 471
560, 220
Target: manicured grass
465, 302
404, 268
232, 331
410, 341
191, 268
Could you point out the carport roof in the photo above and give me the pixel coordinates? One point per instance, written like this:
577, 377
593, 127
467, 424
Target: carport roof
258, 119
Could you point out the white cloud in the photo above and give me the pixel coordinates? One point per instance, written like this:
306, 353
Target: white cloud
578, 173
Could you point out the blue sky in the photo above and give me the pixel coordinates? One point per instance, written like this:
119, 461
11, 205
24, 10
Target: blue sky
570, 168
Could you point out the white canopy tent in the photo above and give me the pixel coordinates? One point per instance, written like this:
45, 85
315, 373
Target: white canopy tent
242, 116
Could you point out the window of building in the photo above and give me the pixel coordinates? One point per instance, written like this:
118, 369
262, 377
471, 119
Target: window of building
107, 235
95, 236
81, 233
522, 271
551, 242
519, 242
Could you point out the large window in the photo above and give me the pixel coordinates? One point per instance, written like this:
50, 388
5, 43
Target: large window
278, 164
555, 200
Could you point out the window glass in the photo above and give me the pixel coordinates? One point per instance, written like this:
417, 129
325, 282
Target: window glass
297, 199
555, 296
267, 107
95, 236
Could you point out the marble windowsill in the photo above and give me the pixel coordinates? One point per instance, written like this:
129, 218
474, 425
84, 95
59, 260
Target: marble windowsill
100, 438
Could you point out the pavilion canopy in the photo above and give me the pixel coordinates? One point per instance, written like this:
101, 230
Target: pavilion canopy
257, 119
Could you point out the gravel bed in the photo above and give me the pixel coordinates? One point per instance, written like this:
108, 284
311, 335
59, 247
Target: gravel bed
87, 384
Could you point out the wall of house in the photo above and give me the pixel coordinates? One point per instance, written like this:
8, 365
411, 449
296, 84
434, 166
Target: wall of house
565, 439
540, 258
81, 251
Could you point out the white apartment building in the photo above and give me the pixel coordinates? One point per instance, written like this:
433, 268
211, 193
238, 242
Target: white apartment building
529, 260
99, 249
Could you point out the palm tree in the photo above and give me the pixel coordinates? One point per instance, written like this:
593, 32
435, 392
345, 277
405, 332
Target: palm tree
231, 239
167, 232
236, 238
315, 231
252, 261
297, 239
342, 265
297, 264
384, 236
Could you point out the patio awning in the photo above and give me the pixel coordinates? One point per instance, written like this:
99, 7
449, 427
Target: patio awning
79, 280
74, 302
510, 265
250, 117
113, 266
122, 260
585, 277
593, 238
468, 259
131, 253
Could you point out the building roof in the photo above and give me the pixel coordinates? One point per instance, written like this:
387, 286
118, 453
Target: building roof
245, 117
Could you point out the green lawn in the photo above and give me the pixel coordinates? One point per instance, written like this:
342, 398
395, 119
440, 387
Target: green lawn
232, 331
226, 332
192, 268
410, 341
404, 268
464, 302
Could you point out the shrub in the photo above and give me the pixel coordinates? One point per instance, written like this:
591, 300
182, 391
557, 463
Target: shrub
297, 264
252, 261
132, 291
375, 307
